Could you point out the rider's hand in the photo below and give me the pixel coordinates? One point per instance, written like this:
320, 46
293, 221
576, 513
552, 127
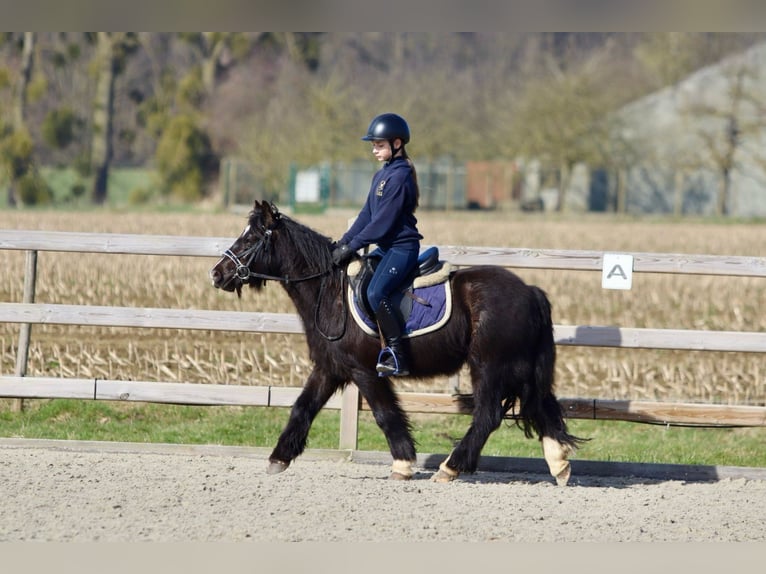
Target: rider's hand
341, 254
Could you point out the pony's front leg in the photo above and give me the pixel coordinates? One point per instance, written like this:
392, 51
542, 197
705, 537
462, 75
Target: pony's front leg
392, 420
318, 389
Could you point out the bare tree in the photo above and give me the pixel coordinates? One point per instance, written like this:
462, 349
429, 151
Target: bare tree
25, 74
563, 120
721, 124
216, 53
19, 156
112, 48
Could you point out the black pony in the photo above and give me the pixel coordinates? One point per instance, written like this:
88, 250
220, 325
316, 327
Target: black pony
500, 326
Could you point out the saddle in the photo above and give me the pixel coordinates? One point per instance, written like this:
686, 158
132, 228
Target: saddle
424, 301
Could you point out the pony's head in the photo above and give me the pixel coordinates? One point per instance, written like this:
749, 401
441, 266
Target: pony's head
249, 260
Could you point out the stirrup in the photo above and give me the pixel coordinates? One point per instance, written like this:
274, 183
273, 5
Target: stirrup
385, 369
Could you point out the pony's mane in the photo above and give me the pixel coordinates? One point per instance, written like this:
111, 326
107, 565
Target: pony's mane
309, 250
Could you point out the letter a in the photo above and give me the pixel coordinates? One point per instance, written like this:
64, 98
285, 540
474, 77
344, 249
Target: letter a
617, 270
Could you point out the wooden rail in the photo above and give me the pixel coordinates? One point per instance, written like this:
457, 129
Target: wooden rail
28, 312
430, 403
199, 319
65, 241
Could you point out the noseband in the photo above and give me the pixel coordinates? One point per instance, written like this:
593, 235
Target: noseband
242, 271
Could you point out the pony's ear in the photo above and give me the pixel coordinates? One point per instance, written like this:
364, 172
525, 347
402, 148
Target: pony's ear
256, 205
274, 211
270, 214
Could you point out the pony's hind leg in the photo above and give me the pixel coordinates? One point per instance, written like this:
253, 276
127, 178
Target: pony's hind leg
488, 413
392, 420
557, 443
318, 389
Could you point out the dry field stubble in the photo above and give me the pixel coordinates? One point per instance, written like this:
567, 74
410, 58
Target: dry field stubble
659, 301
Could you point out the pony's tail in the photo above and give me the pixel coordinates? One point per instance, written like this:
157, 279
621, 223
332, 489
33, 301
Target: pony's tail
540, 410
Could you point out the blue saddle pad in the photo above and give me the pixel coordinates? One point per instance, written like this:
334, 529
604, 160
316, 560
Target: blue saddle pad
423, 318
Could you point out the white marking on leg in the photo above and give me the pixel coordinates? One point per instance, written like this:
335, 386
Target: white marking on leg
403, 467
447, 470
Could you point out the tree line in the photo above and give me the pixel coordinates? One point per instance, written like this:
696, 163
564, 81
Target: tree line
179, 102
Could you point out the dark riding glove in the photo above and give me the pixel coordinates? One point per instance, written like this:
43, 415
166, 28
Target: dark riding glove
341, 254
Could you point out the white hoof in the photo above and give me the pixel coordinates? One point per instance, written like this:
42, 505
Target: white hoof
444, 474
277, 466
556, 455
562, 478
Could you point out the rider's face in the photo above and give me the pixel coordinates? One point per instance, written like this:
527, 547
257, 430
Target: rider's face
381, 149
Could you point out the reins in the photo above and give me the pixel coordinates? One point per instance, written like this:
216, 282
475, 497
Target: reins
344, 306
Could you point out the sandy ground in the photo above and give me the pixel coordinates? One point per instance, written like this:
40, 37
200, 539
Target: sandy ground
53, 494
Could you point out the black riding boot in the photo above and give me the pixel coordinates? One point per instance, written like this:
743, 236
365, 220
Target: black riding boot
393, 358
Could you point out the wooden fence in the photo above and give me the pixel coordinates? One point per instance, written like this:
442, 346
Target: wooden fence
27, 313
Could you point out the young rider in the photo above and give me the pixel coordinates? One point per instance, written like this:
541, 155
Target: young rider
387, 220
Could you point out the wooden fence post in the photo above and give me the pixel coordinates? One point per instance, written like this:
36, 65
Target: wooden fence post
25, 331
349, 418
454, 383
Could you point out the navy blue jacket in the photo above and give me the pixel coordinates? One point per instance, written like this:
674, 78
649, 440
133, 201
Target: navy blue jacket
387, 217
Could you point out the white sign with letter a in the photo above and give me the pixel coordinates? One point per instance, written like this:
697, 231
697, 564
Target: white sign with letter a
617, 271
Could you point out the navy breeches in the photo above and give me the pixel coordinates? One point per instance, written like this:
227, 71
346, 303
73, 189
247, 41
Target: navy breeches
393, 270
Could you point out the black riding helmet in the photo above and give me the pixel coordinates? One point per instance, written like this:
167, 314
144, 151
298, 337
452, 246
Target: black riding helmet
388, 127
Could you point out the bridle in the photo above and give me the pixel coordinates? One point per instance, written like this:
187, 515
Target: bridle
245, 274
